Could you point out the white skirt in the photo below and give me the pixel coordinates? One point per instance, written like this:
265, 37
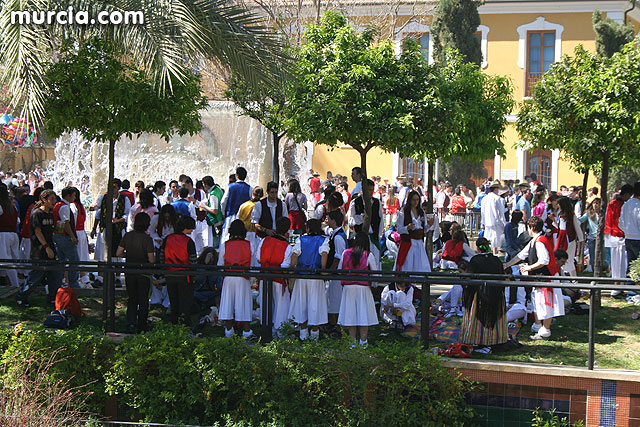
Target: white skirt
334, 296
281, 302
544, 311
99, 254
308, 302
416, 258
357, 307
83, 245
236, 302
10, 249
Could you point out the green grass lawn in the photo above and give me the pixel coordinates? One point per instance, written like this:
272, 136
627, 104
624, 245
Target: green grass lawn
617, 339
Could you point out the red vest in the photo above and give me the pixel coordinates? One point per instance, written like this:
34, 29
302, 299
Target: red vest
9, 220
82, 216
272, 254
548, 244
237, 252
453, 251
56, 218
25, 231
175, 250
611, 225
130, 196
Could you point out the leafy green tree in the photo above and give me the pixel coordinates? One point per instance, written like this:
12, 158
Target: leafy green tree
350, 90
267, 107
173, 33
454, 26
622, 175
610, 36
458, 171
103, 98
587, 106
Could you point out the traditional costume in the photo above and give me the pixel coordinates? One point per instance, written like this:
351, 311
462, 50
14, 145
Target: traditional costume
484, 321
308, 299
412, 255
9, 242
276, 252
337, 246
548, 302
402, 305
236, 301
357, 307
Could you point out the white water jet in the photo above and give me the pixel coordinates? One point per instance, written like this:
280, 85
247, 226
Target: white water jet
225, 141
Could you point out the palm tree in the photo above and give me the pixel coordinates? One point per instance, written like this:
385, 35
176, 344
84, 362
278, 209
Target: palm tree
175, 33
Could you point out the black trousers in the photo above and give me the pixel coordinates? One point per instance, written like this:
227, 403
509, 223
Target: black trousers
138, 286
181, 298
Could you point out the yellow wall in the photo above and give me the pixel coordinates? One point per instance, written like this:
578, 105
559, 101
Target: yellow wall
502, 59
341, 160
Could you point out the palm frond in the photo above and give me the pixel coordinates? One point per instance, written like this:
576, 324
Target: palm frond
175, 33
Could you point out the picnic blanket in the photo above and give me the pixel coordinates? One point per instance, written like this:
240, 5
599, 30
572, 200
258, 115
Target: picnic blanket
443, 330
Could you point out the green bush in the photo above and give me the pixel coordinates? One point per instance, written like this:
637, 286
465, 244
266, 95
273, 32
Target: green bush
549, 419
165, 376
81, 360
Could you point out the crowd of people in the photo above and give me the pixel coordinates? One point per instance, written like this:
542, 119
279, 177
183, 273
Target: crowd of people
184, 222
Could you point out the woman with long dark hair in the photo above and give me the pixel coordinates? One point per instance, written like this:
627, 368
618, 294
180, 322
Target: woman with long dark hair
569, 233
413, 224
296, 206
146, 204
9, 242
163, 224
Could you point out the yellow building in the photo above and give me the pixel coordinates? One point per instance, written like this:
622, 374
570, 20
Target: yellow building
520, 39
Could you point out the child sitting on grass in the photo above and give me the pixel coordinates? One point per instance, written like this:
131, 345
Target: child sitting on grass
397, 305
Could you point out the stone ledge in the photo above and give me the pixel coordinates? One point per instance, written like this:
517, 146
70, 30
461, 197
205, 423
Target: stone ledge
544, 369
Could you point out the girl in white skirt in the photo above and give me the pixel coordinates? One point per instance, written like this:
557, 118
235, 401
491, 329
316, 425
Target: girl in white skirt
308, 299
357, 309
413, 225
540, 260
235, 301
162, 225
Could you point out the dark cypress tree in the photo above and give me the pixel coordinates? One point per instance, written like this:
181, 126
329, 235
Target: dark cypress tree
610, 36
455, 23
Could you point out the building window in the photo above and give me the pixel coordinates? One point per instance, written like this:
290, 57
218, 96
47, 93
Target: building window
539, 162
412, 170
423, 40
541, 47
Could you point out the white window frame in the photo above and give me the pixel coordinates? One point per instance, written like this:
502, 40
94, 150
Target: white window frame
540, 24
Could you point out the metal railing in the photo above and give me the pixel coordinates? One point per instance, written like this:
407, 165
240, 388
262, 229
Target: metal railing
266, 274
470, 220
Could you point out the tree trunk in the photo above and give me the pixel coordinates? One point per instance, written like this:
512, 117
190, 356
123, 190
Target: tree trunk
583, 203
366, 222
604, 183
108, 291
275, 174
429, 243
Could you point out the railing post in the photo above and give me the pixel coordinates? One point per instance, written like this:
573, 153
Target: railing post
267, 310
592, 327
426, 314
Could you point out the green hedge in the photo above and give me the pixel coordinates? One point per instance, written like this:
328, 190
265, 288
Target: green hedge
165, 376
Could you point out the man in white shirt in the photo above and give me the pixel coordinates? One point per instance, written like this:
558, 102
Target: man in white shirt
267, 211
493, 219
356, 176
443, 199
630, 224
64, 235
